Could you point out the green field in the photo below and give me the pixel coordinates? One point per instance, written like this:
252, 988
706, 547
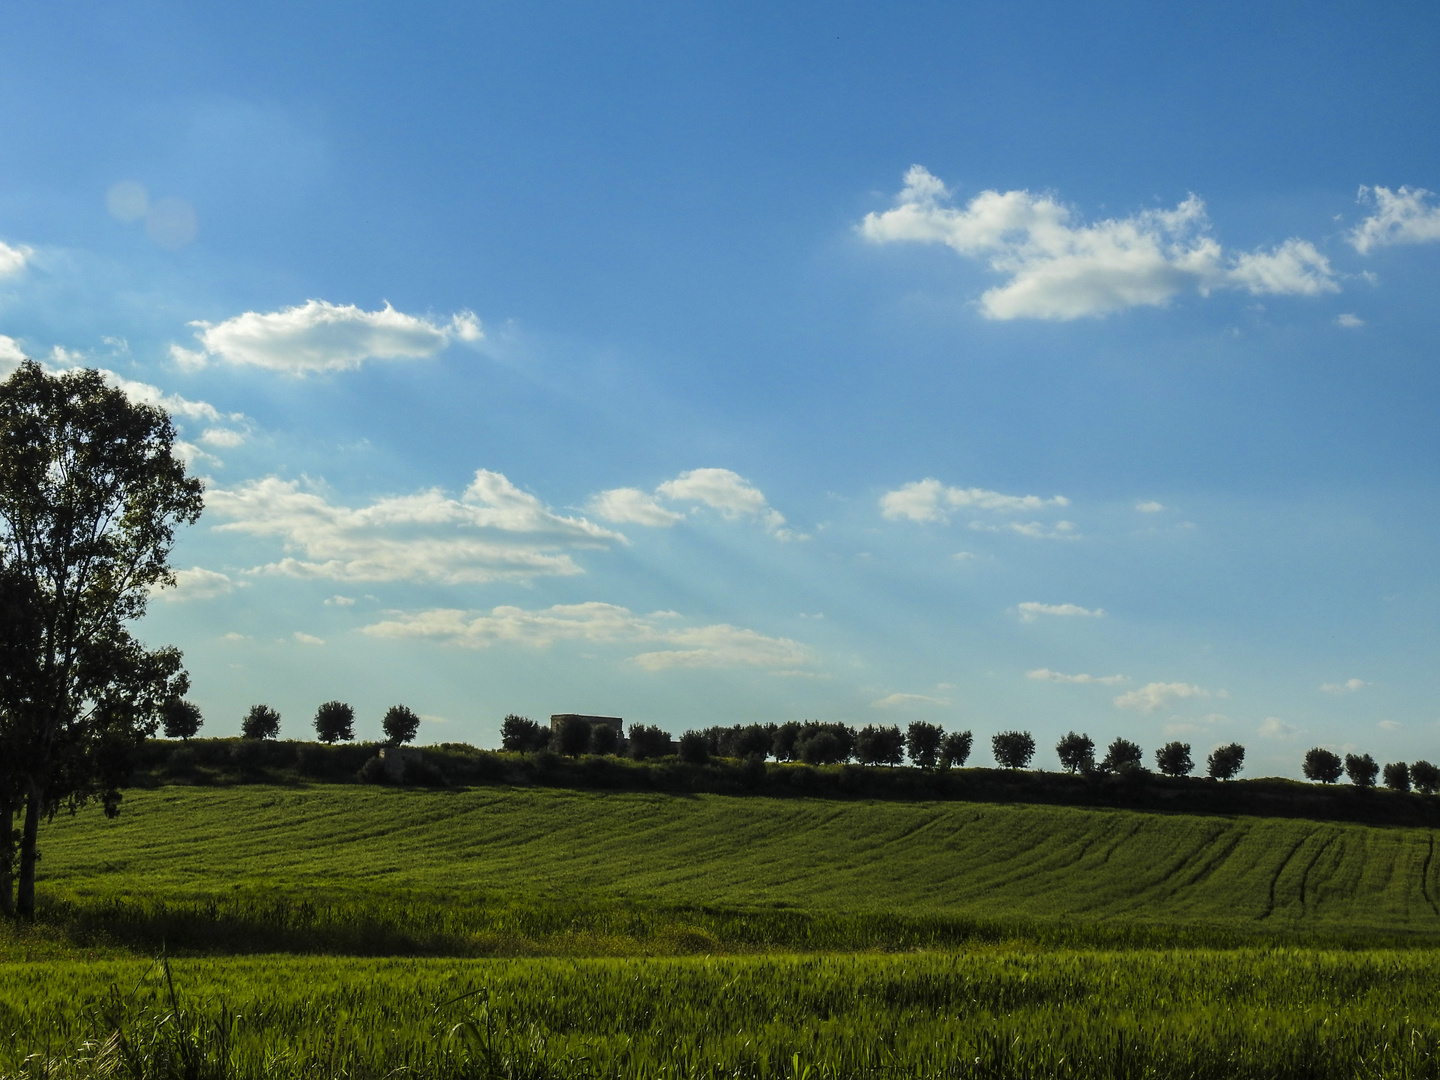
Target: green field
330, 930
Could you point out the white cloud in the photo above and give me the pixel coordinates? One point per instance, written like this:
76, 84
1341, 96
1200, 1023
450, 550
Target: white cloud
11, 355
308, 639
1057, 268
720, 489
718, 645
906, 701
196, 583
631, 506
1400, 217
1046, 675
1157, 695
235, 638
1272, 727
1349, 321
1151, 507
1390, 725
493, 532
1030, 611
930, 500
1036, 530
1349, 686
13, 258
320, 336
340, 601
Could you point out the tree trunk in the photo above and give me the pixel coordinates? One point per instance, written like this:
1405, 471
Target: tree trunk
25, 897
7, 854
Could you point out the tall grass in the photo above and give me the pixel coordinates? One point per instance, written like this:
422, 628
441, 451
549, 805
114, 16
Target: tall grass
983, 1013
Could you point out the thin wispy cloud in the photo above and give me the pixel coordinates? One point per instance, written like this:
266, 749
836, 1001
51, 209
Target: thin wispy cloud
718, 645
1058, 267
319, 336
494, 531
906, 701
1046, 675
1031, 610
196, 583
929, 500
1349, 686
1157, 695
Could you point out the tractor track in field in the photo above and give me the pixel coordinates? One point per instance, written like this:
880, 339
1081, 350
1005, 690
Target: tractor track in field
1325, 846
1425, 876
1275, 878
1226, 849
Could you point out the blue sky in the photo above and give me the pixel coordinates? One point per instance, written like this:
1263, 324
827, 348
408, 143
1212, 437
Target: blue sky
1036, 365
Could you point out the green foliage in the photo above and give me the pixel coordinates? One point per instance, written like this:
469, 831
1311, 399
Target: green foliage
1322, 765
261, 722
570, 736
181, 719
1076, 752
1013, 749
648, 742
694, 750
876, 746
1361, 769
335, 722
955, 749
523, 735
604, 739
1425, 777
1173, 759
1002, 1015
922, 743
1397, 776
1225, 762
400, 725
1123, 756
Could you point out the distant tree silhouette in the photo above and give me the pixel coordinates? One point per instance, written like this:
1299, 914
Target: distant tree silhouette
955, 749
694, 748
521, 734
1076, 752
1225, 762
604, 739
922, 743
1425, 777
1397, 776
400, 725
648, 742
1361, 769
1013, 749
821, 748
570, 736
782, 745
261, 722
1321, 765
335, 722
181, 719
1173, 759
1122, 755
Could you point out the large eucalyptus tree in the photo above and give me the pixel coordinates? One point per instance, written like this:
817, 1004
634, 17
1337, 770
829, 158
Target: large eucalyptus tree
91, 493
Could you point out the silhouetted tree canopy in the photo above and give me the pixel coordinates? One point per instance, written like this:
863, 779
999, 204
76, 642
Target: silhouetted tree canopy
1425, 777
1361, 769
91, 493
1225, 762
1122, 755
521, 734
1322, 765
1173, 759
181, 719
1076, 752
1013, 749
955, 749
261, 722
400, 725
1397, 776
922, 743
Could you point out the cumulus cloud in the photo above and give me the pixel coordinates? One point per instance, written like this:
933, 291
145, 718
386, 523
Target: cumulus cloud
1059, 268
13, 258
319, 336
1400, 217
307, 639
494, 531
1150, 507
197, 583
1158, 695
1030, 611
1349, 686
1046, 675
930, 500
906, 701
714, 646
720, 489
11, 355
1272, 727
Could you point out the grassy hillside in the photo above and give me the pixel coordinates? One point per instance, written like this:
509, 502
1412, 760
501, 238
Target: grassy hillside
905, 858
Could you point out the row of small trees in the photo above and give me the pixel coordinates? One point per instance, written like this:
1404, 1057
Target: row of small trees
1325, 767
813, 742
334, 722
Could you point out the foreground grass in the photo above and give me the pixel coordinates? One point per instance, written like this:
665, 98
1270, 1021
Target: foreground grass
982, 1013
972, 861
